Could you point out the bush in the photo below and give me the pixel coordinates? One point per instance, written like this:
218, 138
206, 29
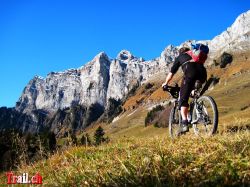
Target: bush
226, 58
99, 136
73, 138
148, 86
85, 140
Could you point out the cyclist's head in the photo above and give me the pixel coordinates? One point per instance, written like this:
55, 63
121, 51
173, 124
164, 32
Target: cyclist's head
183, 50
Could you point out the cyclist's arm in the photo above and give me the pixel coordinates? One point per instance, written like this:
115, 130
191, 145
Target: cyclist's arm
169, 78
173, 70
175, 66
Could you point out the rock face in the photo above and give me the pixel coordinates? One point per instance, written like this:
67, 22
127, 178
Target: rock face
168, 55
103, 78
235, 39
86, 85
90, 86
95, 82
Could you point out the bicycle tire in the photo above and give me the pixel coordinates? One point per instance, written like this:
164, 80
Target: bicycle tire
205, 116
174, 122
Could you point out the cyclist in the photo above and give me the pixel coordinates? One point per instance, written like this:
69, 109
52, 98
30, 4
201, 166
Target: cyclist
192, 72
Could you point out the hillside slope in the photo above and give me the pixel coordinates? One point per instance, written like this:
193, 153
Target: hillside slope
231, 94
189, 161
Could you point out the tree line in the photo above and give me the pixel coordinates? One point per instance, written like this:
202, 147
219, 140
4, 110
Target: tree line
85, 139
17, 148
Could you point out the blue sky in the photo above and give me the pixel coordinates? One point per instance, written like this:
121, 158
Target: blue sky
37, 37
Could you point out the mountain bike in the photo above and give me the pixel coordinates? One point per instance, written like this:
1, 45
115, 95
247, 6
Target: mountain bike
202, 115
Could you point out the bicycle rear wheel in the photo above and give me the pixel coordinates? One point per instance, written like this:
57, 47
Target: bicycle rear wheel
205, 116
174, 122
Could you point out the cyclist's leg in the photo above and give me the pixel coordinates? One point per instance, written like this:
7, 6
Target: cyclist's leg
186, 88
184, 113
185, 91
190, 74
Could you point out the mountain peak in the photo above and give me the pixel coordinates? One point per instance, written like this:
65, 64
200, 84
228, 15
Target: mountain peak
234, 39
102, 55
125, 55
241, 24
38, 77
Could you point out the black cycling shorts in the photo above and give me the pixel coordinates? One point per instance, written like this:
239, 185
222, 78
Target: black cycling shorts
192, 72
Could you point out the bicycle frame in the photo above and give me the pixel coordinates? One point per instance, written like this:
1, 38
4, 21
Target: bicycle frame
193, 105
198, 111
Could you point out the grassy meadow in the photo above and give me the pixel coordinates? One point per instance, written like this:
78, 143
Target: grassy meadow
158, 161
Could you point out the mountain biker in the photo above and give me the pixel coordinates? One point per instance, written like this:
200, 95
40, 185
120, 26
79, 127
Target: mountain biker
192, 72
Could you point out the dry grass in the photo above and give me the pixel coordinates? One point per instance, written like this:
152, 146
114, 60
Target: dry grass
190, 161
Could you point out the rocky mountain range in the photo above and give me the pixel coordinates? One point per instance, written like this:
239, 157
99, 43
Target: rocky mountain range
76, 97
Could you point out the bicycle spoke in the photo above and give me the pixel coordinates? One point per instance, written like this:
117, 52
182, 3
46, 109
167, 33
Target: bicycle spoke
206, 115
174, 122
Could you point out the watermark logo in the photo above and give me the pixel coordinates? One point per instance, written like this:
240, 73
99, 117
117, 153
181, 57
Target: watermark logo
23, 179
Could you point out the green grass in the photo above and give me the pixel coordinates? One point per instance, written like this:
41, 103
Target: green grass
215, 161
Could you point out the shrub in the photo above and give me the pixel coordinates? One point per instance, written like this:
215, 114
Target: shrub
73, 138
226, 58
148, 86
156, 124
85, 140
99, 135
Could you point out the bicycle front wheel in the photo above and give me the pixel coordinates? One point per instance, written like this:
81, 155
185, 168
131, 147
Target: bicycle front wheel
174, 122
205, 116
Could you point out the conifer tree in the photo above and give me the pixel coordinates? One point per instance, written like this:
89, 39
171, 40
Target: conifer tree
99, 135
